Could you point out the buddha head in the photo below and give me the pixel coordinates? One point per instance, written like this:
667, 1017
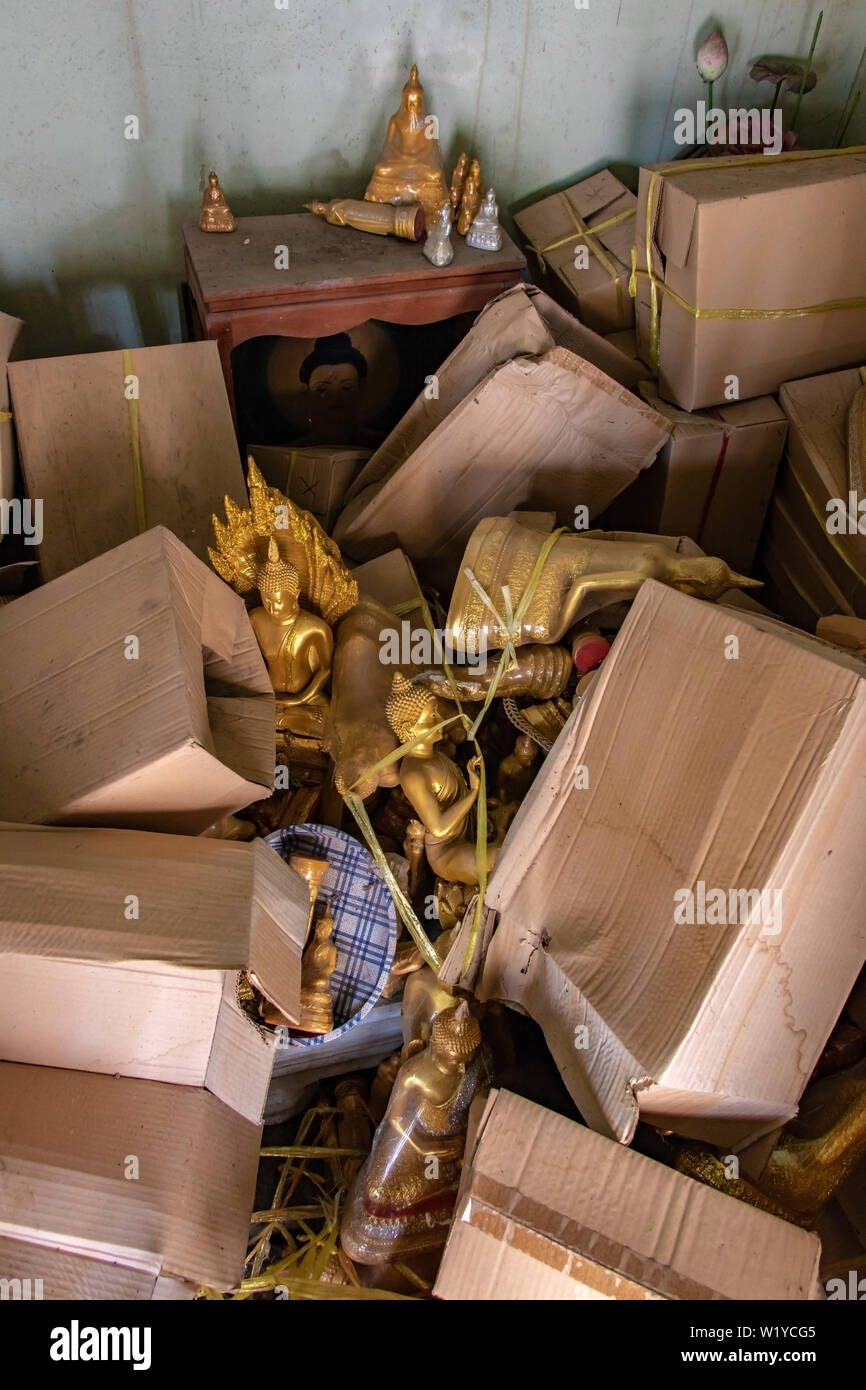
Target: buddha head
455, 1035
278, 583
411, 712
413, 93
706, 577
334, 374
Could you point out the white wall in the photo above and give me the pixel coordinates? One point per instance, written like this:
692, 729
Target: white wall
292, 103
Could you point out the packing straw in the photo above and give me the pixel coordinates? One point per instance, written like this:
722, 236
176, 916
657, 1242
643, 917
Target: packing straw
657, 284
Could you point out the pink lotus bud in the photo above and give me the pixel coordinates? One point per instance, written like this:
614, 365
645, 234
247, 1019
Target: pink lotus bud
713, 56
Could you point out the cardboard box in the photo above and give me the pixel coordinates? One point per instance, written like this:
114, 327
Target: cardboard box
120, 951
72, 1214
77, 432
315, 478
751, 785
522, 322
549, 1210
547, 432
389, 580
137, 696
812, 571
779, 234
712, 480
9, 330
595, 284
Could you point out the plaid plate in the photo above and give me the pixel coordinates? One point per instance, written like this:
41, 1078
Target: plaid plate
365, 923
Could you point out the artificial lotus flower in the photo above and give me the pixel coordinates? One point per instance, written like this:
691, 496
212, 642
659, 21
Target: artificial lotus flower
713, 56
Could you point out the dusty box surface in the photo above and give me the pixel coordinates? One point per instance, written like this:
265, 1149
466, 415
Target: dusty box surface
133, 694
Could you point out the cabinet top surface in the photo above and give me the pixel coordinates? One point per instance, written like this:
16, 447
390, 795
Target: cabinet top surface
240, 267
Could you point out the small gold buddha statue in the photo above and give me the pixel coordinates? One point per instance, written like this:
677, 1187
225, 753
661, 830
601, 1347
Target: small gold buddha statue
470, 202
516, 772
425, 996
582, 573
298, 647
409, 169
317, 966
402, 1199
458, 181
216, 215
434, 785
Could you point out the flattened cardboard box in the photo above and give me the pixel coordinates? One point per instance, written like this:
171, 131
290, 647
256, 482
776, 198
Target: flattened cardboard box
689, 784
772, 234
316, 478
66, 1142
594, 284
549, 432
549, 1210
712, 480
77, 421
133, 694
119, 951
826, 571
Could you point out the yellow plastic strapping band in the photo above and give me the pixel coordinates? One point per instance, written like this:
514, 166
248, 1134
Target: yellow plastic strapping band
656, 284
4, 416
590, 234
135, 444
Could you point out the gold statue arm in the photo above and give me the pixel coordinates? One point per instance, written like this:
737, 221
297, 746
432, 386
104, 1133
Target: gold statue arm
318, 653
621, 584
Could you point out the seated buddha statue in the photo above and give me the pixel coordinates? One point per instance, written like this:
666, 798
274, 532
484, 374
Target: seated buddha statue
298, 647
216, 215
434, 785
403, 1198
409, 169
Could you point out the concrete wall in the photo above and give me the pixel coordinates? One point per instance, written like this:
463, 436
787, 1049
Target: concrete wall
289, 103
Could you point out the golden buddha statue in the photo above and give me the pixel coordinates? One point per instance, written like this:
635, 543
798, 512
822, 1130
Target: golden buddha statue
516, 772
458, 181
317, 966
424, 996
470, 202
297, 646
216, 215
402, 1200
434, 785
409, 169
582, 573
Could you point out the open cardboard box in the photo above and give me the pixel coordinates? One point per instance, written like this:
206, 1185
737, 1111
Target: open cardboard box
549, 1210
78, 421
686, 771
524, 417
120, 951
121, 1188
133, 693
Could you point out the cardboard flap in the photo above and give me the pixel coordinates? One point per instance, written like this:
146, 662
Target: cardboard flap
614, 1221
129, 895
509, 326
67, 1138
675, 218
